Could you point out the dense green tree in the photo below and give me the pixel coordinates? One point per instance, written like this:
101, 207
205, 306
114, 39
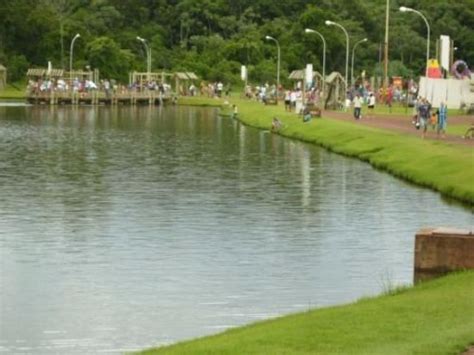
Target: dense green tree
214, 37
114, 62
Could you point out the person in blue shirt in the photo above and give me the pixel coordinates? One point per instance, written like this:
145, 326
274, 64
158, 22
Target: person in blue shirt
442, 119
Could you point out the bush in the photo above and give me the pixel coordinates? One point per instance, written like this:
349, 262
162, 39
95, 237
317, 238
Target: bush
17, 66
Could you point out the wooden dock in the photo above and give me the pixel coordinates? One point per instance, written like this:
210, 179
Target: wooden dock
98, 98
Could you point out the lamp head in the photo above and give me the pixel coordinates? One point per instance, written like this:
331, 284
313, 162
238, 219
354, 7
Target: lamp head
140, 39
77, 35
268, 37
364, 40
404, 9
309, 30
329, 23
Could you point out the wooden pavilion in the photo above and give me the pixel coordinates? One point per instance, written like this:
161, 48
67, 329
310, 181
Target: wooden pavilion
183, 78
299, 75
336, 91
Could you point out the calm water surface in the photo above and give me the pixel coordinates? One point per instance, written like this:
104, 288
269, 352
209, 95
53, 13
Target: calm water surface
123, 228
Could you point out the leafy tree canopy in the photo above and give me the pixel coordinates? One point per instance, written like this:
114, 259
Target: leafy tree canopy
214, 37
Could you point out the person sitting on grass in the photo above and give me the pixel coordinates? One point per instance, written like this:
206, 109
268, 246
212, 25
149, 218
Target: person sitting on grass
307, 114
276, 124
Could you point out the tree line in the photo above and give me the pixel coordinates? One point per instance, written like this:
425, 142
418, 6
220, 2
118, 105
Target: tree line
213, 38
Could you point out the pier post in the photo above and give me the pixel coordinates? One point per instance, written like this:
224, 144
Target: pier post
441, 250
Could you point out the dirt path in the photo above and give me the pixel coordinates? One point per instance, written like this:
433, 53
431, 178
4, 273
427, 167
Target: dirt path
403, 123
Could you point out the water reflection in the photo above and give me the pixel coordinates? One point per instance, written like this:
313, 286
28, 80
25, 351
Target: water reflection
128, 227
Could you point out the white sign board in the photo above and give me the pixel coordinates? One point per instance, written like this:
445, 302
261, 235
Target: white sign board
445, 44
243, 73
309, 74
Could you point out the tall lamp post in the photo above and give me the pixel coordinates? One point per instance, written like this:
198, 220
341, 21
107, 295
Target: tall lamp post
309, 30
408, 9
71, 53
148, 56
352, 64
278, 63
332, 23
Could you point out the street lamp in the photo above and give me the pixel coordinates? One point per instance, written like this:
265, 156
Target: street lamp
408, 9
71, 52
148, 56
352, 65
309, 30
278, 64
332, 23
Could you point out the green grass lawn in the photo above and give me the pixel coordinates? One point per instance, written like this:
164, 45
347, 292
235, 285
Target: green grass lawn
436, 317
13, 91
457, 130
200, 101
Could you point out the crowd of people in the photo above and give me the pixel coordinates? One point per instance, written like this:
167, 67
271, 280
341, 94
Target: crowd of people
295, 99
85, 86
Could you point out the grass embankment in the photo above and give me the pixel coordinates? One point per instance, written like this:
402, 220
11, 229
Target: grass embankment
436, 317
200, 101
13, 92
441, 166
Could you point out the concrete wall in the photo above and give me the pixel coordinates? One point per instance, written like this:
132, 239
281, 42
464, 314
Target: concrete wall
442, 250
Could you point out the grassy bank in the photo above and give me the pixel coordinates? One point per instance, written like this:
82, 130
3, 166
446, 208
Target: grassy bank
200, 101
433, 318
13, 92
441, 166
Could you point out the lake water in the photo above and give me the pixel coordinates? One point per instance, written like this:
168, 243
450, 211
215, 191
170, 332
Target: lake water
128, 227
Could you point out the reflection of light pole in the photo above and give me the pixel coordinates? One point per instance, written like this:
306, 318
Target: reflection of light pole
408, 9
352, 65
331, 23
148, 56
309, 30
71, 52
278, 64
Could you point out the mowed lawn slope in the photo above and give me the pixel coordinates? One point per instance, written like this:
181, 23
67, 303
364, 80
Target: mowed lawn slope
436, 317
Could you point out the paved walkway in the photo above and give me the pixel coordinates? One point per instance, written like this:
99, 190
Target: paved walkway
403, 123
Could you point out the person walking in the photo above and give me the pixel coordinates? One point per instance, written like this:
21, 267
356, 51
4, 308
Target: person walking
442, 114
371, 104
357, 102
424, 113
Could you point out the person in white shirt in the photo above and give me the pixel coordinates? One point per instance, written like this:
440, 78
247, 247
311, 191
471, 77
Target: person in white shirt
371, 104
293, 99
357, 102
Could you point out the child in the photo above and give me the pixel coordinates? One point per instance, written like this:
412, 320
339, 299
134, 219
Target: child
433, 120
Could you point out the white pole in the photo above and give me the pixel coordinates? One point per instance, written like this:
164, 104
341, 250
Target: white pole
71, 53
308, 30
278, 63
352, 65
330, 23
148, 56
408, 9
385, 61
